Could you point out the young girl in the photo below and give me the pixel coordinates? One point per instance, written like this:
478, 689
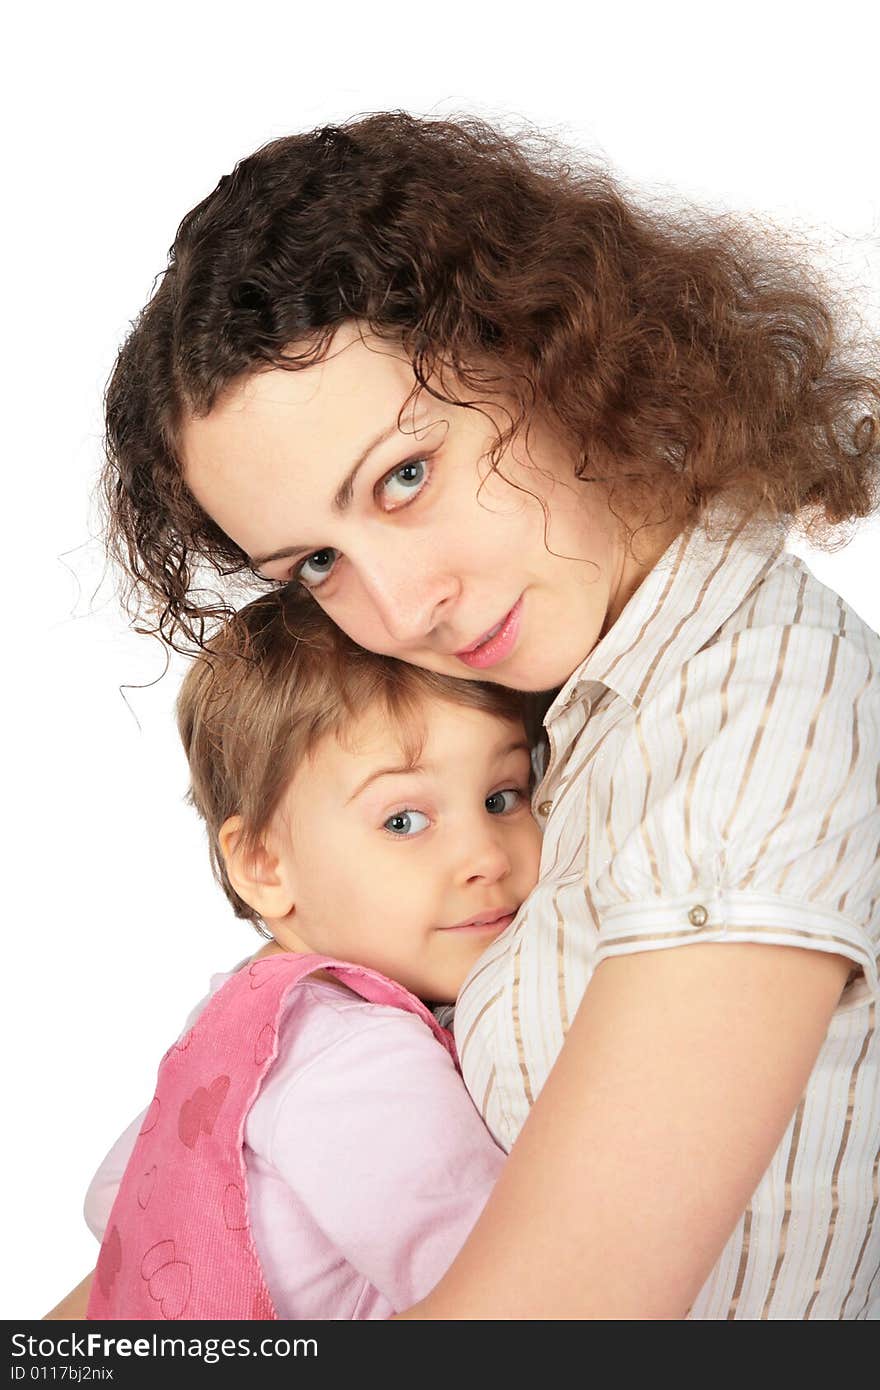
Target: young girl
311, 1151
506, 423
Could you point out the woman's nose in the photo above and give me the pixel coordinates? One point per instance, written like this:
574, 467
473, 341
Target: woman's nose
412, 597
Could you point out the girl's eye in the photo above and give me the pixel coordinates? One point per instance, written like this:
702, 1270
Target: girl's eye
404, 483
404, 823
497, 803
316, 567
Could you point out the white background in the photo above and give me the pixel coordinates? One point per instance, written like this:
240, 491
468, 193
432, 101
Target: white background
119, 118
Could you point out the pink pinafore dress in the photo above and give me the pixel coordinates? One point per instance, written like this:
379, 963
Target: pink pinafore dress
178, 1242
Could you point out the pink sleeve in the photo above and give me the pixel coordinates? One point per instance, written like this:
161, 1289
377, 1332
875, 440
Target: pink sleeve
397, 1164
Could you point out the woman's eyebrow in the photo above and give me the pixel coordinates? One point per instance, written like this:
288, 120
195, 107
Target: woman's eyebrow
341, 501
346, 487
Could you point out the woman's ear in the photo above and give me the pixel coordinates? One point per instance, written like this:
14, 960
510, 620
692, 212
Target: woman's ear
255, 873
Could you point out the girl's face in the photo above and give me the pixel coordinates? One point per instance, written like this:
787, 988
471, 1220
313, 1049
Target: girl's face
407, 538
411, 871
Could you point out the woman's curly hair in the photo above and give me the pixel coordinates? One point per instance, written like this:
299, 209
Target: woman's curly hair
681, 355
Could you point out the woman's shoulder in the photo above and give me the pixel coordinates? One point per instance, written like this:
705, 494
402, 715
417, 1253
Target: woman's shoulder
786, 686
790, 596
722, 602
788, 639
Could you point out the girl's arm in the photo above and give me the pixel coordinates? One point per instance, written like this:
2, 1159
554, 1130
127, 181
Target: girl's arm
674, 1087
102, 1189
396, 1165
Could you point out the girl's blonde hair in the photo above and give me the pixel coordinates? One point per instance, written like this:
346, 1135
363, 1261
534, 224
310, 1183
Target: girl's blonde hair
276, 679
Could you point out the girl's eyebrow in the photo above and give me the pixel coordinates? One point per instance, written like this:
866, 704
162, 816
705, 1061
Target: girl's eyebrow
517, 746
384, 772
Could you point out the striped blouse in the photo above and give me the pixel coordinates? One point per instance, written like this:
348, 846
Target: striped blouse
714, 775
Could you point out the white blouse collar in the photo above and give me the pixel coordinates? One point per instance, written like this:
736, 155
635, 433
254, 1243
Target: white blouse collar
704, 575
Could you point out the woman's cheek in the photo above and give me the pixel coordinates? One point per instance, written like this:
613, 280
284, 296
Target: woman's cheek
355, 614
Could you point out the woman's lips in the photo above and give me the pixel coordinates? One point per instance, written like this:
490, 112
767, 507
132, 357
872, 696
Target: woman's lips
496, 648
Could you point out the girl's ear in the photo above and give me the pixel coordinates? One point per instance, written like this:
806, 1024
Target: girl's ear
255, 873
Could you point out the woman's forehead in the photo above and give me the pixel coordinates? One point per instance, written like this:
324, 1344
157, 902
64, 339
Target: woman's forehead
308, 427
333, 404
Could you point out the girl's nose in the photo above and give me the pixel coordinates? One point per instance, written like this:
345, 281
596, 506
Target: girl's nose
486, 858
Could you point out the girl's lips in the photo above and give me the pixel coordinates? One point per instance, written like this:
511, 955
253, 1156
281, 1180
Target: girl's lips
498, 647
499, 924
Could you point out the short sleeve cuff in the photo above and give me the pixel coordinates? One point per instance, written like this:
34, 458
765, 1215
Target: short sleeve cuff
733, 916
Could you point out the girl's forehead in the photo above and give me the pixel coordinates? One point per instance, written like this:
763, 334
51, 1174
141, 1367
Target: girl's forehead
433, 732
437, 731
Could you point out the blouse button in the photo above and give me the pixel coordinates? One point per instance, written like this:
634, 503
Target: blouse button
698, 916
545, 808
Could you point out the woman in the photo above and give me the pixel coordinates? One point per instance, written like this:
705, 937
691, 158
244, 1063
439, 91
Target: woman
501, 421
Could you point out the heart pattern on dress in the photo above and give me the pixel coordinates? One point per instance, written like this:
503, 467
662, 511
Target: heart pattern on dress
258, 971
234, 1208
201, 1110
158, 1255
145, 1187
168, 1279
265, 1044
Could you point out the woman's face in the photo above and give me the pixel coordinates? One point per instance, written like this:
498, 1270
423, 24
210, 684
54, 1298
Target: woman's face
407, 538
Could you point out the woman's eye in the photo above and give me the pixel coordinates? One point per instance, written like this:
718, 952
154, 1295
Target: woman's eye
404, 483
499, 802
406, 823
396, 489
316, 567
